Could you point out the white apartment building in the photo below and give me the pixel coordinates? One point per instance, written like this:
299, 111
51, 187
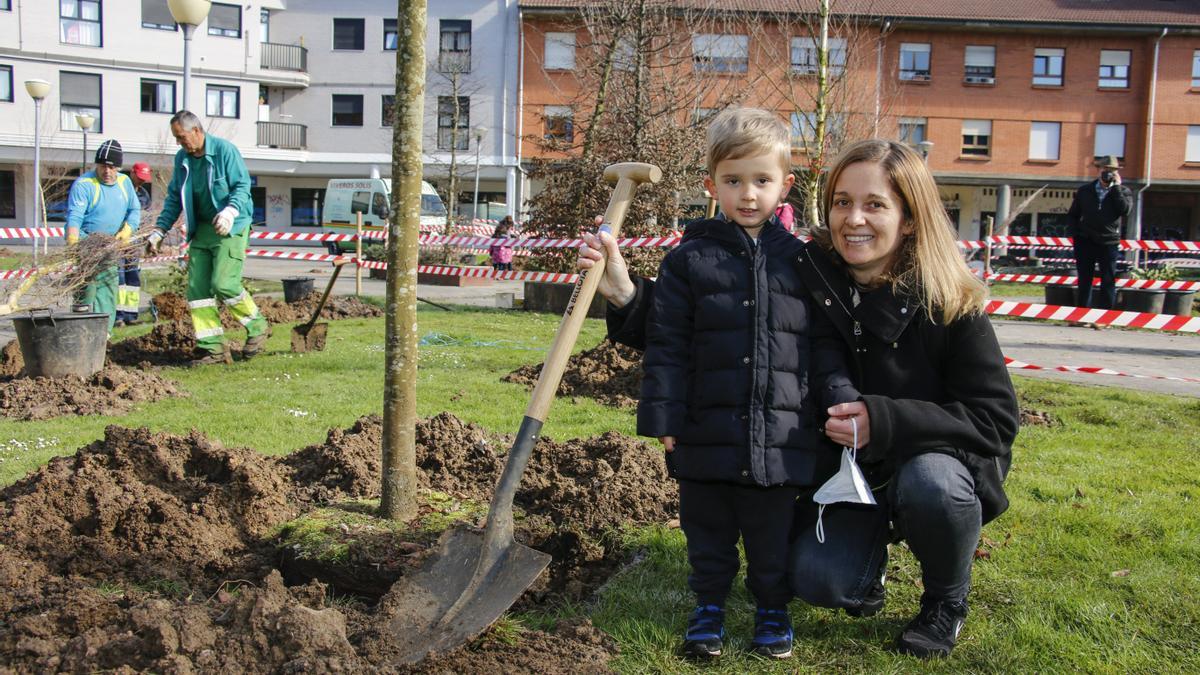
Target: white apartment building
300, 86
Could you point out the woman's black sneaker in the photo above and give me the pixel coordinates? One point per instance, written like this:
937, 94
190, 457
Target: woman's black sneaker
935, 629
705, 632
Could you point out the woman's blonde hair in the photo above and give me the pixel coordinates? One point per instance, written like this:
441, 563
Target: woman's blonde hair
928, 263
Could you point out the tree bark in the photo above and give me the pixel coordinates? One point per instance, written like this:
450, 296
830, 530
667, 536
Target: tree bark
399, 490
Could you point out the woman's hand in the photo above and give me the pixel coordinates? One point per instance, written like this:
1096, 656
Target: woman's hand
843, 418
615, 285
668, 443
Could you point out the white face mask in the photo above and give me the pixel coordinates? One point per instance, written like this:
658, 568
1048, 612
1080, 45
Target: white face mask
846, 486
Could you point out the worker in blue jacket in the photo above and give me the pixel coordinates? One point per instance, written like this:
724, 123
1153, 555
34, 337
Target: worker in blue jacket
103, 201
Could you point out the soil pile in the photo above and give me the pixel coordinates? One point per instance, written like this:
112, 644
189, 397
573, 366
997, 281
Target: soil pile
154, 552
169, 343
12, 363
170, 307
112, 391
610, 373
337, 307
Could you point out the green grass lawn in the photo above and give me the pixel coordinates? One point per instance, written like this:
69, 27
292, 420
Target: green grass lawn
1095, 568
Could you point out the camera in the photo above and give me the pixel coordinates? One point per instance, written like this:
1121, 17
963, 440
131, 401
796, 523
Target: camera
1107, 175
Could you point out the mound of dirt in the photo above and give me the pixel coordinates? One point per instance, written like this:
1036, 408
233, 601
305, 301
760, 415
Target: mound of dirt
610, 373
170, 307
11, 360
168, 344
1037, 418
153, 551
111, 391
337, 307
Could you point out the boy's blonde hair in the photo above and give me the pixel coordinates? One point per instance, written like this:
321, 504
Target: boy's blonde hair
748, 132
929, 263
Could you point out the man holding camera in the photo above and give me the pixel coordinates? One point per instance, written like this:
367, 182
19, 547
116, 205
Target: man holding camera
1095, 220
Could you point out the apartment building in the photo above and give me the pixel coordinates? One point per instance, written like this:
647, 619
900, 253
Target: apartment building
1005, 99
302, 87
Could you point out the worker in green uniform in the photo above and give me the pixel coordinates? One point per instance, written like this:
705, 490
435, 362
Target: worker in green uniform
210, 186
102, 201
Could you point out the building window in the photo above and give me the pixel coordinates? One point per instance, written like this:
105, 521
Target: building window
80, 93
1114, 69
712, 53
560, 51
1196, 69
1110, 140
222, 101
912, 130
155, 14
79, 22
454, 46
1192, 153
225, 20
1048, 67
624, 55
454, 122
914, 61
8, 194
158, 96
391, 35
6, 5
6, 85
347, 110
805, 52
979, 65
307, 204
349, 35
977, 137
701, 116
387, 110
1043, 140
804, 128
559, 122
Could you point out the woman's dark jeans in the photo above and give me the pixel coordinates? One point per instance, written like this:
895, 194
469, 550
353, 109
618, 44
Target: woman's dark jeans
932, 503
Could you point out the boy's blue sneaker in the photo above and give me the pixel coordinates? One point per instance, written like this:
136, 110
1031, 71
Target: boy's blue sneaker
705, 633
772, 633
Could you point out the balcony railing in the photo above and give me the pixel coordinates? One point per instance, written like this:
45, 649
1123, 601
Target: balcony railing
282, 135
284, 57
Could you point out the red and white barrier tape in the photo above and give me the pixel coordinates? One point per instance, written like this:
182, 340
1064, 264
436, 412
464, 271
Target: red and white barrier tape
1092, 370
1102, 317
1046, 279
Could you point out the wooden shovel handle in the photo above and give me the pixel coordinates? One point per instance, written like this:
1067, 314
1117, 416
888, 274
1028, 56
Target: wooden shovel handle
627, 176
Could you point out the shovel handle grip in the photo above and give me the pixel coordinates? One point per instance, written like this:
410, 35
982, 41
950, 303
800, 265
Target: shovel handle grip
627, 176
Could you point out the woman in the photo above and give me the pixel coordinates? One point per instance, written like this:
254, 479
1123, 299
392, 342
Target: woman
942, 410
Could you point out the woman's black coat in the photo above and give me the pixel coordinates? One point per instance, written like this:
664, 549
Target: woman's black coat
927, 387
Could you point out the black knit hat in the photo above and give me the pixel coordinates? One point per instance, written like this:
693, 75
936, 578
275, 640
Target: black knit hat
110, 153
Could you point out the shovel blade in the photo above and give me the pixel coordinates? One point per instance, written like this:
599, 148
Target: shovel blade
422, 621
307, 338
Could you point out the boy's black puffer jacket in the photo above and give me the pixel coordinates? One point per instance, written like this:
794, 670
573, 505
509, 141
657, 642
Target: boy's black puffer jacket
738, 367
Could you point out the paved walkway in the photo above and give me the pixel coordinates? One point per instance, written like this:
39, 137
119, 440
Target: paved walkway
1137, 352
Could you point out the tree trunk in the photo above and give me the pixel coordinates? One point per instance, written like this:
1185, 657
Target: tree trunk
399, 500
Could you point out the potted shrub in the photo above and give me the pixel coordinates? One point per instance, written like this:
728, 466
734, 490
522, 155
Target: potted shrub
1150, 300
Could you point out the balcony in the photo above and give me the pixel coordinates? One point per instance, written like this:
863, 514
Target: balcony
282, 135
284, 57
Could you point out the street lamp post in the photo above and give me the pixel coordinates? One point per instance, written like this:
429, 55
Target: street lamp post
85, 122
478, 133
188, 14
926, 147
38, 89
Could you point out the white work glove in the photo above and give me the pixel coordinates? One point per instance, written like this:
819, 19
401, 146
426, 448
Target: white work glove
223, 222
154, 241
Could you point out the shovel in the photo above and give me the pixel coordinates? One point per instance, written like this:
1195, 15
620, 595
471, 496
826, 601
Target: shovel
474, 578
310, 337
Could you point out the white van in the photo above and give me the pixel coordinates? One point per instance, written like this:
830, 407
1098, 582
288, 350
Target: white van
346, 197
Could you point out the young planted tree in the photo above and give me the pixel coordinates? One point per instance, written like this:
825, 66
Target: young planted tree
822, 66
644, 96
399, 490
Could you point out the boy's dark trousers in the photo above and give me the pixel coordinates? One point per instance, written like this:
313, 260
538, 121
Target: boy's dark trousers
714, 515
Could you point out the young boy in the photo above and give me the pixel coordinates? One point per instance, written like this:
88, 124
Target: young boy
737, 367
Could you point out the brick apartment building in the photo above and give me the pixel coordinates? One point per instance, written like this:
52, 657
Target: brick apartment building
1008, 97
